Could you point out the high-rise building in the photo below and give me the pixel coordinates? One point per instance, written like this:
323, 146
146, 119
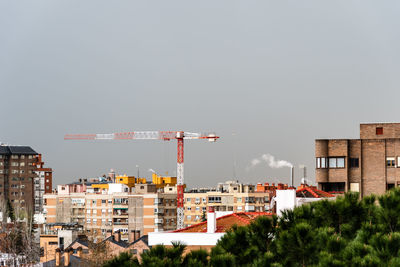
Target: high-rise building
17, 171
42, 183
370, 164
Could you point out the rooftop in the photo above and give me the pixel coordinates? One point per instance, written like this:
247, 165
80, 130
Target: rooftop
307, 191
17, 150
226, 222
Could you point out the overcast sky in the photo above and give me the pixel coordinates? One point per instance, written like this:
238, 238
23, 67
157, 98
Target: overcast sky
267, 76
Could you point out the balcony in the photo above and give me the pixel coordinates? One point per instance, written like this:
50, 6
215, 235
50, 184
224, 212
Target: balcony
121, 223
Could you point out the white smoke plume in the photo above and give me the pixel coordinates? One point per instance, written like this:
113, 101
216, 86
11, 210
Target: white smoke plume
151, 170
271, 161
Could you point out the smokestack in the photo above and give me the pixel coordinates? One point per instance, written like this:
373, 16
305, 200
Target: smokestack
292, 176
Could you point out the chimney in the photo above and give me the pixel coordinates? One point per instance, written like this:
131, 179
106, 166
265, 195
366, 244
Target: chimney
117, 236
67, 257
58, 256
79, 252
132, 236
211, 221
292, 176
137, 234
108, 234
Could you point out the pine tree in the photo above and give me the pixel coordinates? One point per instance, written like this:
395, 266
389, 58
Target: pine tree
10, 211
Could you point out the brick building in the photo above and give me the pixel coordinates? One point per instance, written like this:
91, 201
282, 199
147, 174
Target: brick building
17, 171
367, 165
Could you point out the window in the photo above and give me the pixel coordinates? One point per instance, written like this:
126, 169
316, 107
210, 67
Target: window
133, 251
390, 162
204, 200
239, 199
103, 201
189, 217
204, 208
214, 199
239, 208
14, 156
197, 208
94, 221
332, 163
379, 130
390, 186
22, 164
333, 187
88, 211
188, 199
340, 162
354, 163
189, 208
87, 220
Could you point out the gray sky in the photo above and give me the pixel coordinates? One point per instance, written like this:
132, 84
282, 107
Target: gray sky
277, 73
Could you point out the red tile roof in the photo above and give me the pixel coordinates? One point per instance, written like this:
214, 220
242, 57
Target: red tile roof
311, 192
224, 223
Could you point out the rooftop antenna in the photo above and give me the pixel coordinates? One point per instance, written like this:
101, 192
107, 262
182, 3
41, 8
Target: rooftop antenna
234, 156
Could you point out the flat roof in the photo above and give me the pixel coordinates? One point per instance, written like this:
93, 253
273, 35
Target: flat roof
17, 150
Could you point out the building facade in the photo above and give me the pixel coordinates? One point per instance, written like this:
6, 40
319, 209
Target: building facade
141, 209
370, 164
42, 183
17, 171
228, 197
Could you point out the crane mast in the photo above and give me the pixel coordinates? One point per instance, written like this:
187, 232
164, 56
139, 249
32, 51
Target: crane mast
180, 136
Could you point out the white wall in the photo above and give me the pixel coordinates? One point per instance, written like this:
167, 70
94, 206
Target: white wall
117, 188
195, 239
285, 199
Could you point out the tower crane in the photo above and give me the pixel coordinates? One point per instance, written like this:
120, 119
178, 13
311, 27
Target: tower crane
156, 135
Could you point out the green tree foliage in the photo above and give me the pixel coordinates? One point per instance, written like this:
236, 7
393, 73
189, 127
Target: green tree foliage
10, 211
122, 260
348, 231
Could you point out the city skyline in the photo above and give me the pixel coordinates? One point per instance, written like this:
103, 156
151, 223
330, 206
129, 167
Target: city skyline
268, 78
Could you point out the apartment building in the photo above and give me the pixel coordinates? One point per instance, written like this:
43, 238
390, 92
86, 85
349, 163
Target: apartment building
227, 197
370, 164
17, 171
42, 183
141, 209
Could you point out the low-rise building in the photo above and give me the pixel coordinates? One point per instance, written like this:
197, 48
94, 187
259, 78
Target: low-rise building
227, 197
204, 235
